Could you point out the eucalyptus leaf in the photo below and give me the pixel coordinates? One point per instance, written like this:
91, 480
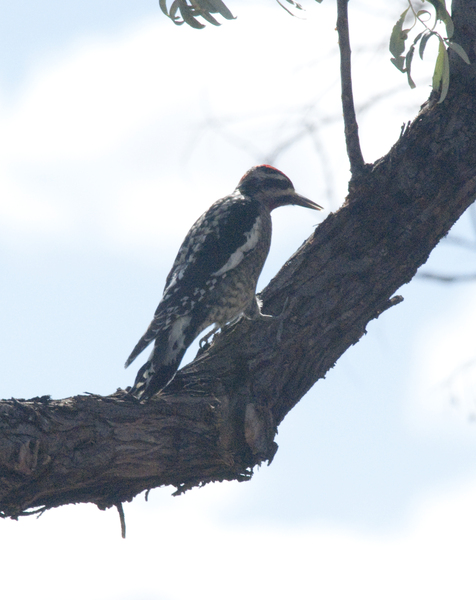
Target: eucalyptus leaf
425, 37
398, 37
298, 6
163, 7
208, 17
441, 75
204, 8
399, 62
293, 3
417, 38
174, 8
187, 11
437, 73
219, 7
459, 51
445, 78
408, 66
188, 16
286, 9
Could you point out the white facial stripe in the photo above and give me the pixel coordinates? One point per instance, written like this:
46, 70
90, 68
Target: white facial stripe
237, 256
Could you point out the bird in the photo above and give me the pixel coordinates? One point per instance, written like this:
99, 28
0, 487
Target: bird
214, 276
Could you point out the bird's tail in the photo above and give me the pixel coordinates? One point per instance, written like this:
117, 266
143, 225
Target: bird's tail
161, 366
169, 348
142, 344
153, 377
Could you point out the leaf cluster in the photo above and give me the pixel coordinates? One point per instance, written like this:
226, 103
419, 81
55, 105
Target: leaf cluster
399, 37
187, 11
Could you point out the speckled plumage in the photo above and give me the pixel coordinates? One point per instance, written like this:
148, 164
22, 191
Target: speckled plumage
214, 276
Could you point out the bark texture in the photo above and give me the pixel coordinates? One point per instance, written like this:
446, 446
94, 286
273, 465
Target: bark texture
218, 418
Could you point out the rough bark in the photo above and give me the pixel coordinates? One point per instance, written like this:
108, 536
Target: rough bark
218, 418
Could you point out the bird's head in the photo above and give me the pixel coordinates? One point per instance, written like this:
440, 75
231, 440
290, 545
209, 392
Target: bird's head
272, 188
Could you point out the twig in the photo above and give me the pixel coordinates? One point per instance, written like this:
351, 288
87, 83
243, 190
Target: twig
350, 122
120, 510
448, 278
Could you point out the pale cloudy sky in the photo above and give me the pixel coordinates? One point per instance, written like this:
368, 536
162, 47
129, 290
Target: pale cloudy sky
118, 130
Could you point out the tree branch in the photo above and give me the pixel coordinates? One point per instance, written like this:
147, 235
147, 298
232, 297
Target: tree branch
464, 277
218, 418
351, 127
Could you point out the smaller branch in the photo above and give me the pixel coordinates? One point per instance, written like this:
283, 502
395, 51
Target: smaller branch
120, 510
350, 122
448, 278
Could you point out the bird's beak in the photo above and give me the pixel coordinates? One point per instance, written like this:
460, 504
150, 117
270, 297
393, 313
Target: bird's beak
301, 201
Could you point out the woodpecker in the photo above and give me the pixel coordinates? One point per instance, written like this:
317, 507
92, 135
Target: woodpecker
214, 276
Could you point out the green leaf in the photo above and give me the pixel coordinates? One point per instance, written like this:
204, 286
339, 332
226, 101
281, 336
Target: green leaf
216, 6
163, 7
188, 16
425, 37
445, 79
459, 51
398, 37
437, 73
408, 66
186, 11
441, 75
293, 3
174, 7
287, 9
417, 38
208, 17
399, 62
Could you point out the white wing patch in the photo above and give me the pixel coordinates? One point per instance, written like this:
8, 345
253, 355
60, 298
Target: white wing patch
177, 337
252, 238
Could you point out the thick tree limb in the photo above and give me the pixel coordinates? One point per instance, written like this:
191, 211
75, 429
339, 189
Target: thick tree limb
218, 417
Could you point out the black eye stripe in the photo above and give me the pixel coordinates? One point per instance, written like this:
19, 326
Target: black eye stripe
279, 184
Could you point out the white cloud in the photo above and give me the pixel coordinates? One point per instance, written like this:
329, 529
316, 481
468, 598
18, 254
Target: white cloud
83, 104
177, 549
114, 131
97, 142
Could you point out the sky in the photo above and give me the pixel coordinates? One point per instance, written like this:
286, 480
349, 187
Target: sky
118, 130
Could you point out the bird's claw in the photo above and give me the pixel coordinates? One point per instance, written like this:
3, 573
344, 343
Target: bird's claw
204, 343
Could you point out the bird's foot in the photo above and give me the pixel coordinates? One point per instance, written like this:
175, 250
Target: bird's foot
204, 343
